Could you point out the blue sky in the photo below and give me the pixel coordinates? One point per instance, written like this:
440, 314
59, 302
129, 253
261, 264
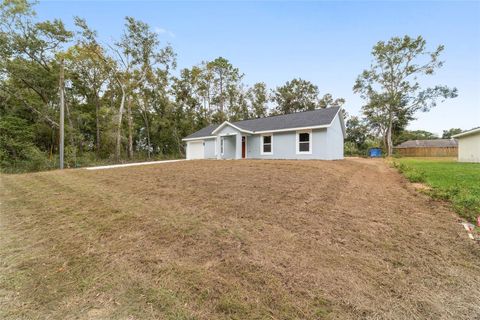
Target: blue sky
328, 43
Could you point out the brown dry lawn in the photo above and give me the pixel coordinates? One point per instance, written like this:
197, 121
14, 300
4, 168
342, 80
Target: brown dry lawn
232, 240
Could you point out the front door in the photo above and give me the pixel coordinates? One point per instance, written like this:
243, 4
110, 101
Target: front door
243, 147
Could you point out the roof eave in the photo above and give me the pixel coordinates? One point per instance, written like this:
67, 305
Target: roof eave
466, 133
198, 138
342, 122
308, 127
293, 129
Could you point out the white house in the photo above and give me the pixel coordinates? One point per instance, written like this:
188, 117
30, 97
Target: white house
317, 134
468, 145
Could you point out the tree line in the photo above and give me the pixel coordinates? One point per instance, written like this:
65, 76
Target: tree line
123, 99
126, 100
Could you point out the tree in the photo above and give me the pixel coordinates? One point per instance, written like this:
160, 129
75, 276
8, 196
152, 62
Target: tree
295, 95
357, 132
221, 76
447, 134
137, 53
238, 104
258, 98
212, 91
29, 69
391, 85
301, 95
406, 135
192, 98
327, 101
89, 67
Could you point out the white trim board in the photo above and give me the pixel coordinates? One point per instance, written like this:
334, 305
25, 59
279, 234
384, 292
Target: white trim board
293, 129
198, 138
466, 133
271, 144
225, 123
297, 141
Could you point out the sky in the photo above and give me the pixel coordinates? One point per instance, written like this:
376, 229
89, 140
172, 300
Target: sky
327, 43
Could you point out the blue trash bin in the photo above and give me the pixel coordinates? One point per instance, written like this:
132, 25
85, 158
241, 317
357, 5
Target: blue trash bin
375, 152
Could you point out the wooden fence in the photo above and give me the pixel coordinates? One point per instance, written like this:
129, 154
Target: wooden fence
428, 152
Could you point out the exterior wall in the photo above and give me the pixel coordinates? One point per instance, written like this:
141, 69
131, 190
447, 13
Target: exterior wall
209, 147
427, 152
327, 144
229, 145
233, 140
335, 139
469, 148
195, 145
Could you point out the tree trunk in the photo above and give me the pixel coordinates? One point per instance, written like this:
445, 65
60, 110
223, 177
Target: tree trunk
389, 138
97, 123
221, 92
119, 126
130, 129
144, 114
179, 142
148, 136
71, 135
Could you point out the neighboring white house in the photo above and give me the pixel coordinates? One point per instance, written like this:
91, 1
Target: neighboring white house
468, 145
317, 134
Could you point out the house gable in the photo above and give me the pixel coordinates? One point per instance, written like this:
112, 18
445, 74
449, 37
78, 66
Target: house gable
226, 127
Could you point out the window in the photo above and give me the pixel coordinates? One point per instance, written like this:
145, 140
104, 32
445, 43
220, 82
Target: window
222, 142
304, 142
266, 146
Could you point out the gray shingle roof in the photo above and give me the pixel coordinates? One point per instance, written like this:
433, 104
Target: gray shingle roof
204, 132
435, 143
293, 120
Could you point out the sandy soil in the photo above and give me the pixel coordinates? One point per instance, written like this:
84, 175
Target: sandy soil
243, 239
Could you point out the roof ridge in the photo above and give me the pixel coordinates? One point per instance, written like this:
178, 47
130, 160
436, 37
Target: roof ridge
318, 118
287, 114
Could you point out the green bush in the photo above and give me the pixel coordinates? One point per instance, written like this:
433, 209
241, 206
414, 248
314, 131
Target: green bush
17, 152
414, 175
467, 205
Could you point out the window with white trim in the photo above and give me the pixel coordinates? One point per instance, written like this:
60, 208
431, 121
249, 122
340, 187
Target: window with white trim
304, 142
267, 145
222, 143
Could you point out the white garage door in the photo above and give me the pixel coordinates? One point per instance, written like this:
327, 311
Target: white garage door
195, 150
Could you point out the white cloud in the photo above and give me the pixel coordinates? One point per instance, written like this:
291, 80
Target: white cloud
164, 31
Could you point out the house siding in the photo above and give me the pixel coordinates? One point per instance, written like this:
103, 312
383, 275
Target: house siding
327, 144
230, 150
210, 148
335, 139
469, 148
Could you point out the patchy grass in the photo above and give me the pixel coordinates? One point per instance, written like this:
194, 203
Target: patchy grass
449, 180
41, 162
231, 240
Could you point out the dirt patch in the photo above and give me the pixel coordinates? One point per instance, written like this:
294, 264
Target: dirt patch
232, 240
421, 186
